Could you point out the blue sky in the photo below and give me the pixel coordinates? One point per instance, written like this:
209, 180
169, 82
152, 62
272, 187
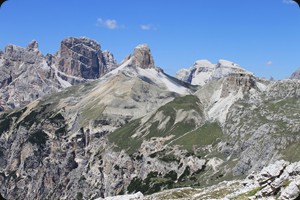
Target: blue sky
260, 35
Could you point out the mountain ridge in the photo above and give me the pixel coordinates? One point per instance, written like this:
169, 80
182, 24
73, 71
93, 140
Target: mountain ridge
137, 129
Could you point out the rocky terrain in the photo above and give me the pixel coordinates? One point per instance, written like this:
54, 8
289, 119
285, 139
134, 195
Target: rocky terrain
202, 71
136, 129
280, 180
26, 74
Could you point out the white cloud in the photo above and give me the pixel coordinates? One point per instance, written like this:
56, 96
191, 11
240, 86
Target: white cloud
147, 27
108, 23
269, 63
288, 1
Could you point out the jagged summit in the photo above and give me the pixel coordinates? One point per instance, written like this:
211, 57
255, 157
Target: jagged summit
26, 74
33, 46
82, 57
296, 74
140, 65
203, 70
142, 57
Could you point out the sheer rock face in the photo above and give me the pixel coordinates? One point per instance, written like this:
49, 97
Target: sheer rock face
235, 82
109, 61
82, 57
24, 76
142, 57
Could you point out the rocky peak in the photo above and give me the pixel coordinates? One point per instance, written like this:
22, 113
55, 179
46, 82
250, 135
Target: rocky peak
202, 71
33, 46
224, 68
198, 74
296, 74
80, 57
236, 81
1, 54
142, 57
24, 76
15, 53
109, 60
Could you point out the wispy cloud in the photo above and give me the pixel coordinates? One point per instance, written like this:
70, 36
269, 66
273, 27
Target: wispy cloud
288, 1
108, 23
147, 27
269, 63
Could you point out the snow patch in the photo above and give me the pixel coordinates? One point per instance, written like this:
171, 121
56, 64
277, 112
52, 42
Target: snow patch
62, 82
116, 71
160, 78
220, 108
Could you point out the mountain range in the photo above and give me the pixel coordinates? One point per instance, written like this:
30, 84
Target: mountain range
77, 125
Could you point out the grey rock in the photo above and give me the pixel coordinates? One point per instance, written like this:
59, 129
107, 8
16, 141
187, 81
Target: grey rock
142, 57
296, 74
33, 46
290, 192
203, 71
81, 57
109, 61
26, 75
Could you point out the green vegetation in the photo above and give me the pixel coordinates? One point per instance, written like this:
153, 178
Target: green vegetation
184, 175
285, 105
35, 116
7, 119
253, 191
153, 183
122, 137
169, 158
186, 193
171, 175
57, 118
240, 197
39, 137
176, 130
91, 111
61, 131
205, 135
290, 153
12, 174
219, 194
79, 196
4, 125
186, 103
286, 183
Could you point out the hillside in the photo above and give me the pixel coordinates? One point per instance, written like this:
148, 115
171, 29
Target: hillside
137, 129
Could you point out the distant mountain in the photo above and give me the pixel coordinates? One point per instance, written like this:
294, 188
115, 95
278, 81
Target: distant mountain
82, 57
26, 74
296, 74
138, 130
202, 71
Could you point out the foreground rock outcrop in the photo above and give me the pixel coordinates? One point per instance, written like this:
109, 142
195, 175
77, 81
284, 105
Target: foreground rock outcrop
280, 180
